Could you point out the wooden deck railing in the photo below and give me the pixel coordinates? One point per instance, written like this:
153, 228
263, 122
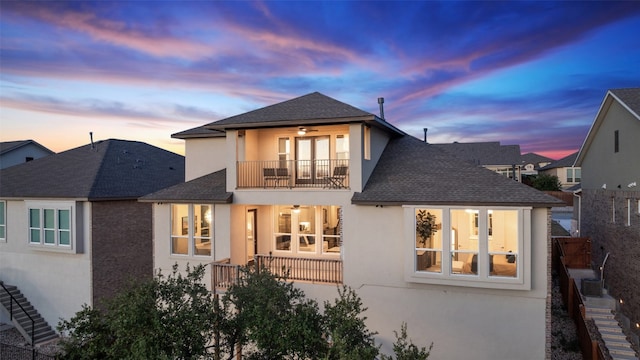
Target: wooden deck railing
224, 274
293, 174
326, 271
591, 349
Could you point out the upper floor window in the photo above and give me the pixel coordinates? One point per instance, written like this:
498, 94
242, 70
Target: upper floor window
616, 141
480, 247
573, 175
284, 151
191, 229
50, 224
3, 221
367, 143
342, 147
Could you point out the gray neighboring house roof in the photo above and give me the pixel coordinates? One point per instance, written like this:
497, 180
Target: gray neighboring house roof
307, 110
8, 146
411, 171
107, 170
630, 97
484, 153
210, 188
566, 161
533, 158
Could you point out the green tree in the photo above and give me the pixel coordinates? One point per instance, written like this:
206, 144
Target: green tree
405, 349
168, 317
272, 317
345, 328
546, 182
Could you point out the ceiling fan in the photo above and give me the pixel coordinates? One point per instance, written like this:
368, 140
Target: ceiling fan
302, 130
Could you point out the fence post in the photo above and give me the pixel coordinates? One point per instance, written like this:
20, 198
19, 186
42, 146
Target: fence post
570, 297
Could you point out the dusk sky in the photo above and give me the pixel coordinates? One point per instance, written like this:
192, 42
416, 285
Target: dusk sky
531, 73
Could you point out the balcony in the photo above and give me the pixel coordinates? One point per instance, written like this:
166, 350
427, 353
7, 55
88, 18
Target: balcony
289, 174
322, 271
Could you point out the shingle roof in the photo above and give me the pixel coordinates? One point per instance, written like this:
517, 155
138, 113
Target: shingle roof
198, 132
210, 188
7, 146
314, 106
533, 158
484, 153
111, 169
630, 97
566, 161
411, 171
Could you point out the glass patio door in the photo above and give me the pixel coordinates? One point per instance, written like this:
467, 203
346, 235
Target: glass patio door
312, 159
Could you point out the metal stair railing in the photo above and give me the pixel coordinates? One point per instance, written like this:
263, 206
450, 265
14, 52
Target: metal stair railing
13, 299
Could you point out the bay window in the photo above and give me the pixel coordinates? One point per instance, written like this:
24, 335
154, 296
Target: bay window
191, 229
478, 246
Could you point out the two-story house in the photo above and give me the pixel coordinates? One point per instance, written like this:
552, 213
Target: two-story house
71, 229
568, 174
21, 151
609, 200
337, 195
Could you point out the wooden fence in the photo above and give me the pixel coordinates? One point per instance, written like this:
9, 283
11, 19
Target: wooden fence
571, 298
576, 251
567, 197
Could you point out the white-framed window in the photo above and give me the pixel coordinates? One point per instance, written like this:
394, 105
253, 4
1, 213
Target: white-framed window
342, 147
613, 210
367, 143
3, 221
317, 229
574, 175
478, 247
191, 229
51, 224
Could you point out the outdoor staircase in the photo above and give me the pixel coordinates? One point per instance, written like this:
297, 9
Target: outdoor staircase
601, 312
23, 314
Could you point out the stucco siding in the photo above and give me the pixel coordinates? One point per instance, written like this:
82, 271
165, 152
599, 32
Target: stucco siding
491, 323
204, 156
45, 277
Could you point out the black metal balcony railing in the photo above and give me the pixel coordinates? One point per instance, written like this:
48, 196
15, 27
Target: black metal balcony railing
333, 173
324, 271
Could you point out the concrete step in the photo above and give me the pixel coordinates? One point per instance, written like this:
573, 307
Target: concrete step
624, 357
621, 350
42, 332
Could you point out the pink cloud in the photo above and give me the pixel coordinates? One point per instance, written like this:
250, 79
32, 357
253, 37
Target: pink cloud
119, 33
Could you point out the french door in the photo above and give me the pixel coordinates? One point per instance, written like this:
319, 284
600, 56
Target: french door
312, 159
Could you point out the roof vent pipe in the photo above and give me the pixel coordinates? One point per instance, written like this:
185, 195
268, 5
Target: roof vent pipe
91, 137
425, 134
381, 102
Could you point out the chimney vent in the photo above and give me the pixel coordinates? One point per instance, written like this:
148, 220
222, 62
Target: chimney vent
425, 134
381, 102
91, 138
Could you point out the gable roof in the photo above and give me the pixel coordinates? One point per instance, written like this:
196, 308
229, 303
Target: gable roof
210, 188
629, 99
107, 170
566, 161
311, 109
533, 158
484, 153
411, 171
198, 132
8, 146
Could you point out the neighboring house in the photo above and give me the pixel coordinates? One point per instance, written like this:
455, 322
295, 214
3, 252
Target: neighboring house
503, 159
568, 174
18, 152
609, 202
72, 230
532, 162
335, 194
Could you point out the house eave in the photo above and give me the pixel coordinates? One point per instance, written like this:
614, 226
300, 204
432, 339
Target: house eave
452, 203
